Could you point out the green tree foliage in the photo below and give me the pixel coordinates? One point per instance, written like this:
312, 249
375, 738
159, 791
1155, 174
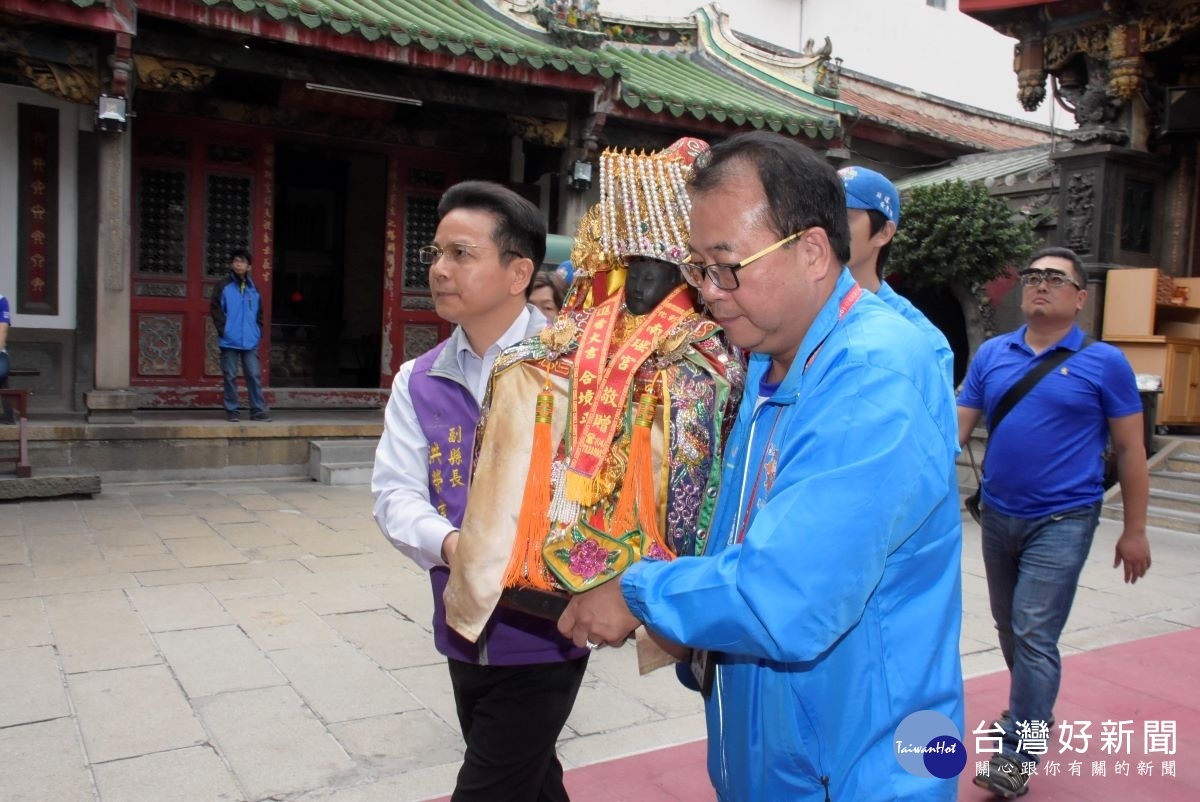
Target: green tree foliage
956, 233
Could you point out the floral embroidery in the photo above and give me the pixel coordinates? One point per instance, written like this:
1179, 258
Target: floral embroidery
588, 559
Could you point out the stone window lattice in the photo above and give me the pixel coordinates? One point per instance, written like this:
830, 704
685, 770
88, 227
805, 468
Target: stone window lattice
162, 221
420, 226
227, 220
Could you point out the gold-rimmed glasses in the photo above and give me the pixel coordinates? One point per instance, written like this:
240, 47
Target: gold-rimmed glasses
456, 252
724, 276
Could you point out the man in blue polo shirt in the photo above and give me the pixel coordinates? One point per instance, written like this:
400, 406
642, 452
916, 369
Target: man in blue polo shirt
1042, 490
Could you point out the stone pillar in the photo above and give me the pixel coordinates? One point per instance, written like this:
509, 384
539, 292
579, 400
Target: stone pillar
112, 396
1111, 207
1112, 212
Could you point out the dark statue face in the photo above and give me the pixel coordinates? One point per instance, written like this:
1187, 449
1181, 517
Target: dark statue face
648, 282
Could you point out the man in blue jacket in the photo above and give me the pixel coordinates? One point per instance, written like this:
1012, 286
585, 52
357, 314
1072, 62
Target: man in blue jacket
828, 602
237, 313
873, 208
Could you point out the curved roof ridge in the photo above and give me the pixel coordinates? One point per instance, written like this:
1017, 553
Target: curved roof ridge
788, 75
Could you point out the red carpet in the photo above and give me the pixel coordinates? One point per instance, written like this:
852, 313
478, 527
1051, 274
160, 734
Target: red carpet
1155, 679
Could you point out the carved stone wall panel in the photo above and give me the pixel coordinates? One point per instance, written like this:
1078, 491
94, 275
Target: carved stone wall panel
160, 345
212, 356
418, 338
1080, 211
159, 289
417, 302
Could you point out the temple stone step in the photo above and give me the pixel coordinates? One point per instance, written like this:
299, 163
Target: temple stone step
342, 462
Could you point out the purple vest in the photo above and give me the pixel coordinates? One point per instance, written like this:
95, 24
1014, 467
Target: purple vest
448, 416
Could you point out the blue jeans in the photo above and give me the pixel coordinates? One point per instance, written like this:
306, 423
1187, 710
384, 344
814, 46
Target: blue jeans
230, 358
1033, 567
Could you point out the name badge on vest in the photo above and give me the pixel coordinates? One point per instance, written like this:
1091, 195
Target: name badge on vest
703, 664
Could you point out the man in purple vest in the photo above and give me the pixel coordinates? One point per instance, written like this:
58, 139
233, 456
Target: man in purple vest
515, 686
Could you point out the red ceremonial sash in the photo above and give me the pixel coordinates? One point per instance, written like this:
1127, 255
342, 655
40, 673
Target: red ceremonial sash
600, 391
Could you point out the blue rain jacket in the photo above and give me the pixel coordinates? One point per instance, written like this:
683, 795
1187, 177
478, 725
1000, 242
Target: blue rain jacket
839, 612
237, 313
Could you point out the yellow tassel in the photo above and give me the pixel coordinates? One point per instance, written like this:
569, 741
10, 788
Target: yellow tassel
526, 566
636, 506
583, 490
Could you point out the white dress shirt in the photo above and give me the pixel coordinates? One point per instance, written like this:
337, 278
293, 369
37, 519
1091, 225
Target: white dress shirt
400, 481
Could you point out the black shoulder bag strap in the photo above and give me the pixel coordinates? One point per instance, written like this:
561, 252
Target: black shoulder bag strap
1010, 400
1035, 375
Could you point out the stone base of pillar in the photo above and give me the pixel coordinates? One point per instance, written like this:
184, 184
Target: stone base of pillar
112, 406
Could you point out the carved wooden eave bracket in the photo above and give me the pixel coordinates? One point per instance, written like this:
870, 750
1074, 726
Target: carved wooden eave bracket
1115, 48
63, 81
171, 75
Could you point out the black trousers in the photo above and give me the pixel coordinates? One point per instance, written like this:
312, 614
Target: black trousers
511, 717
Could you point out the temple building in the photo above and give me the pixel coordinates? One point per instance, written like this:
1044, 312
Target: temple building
143, 140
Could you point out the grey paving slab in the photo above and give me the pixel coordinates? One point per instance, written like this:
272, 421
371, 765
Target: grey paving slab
43, 762
266, 568
217, 660
224, 589
601, 707
247, 535
23, 622
96, 631
115, 521
280, 622
194, 774
317, 730
410, 595
179, 526
182, 576
11, 573
412, 786
62, 548
611, 744
389, 640
326, 543
151, 547
22, 588
69, 569
399, 742
287, 551
340, 683
178, 607
132, 711
273, 742
227, 514
13, 550
197, 552
54, 528
31, 686
430, 684
326, 594
136, 564
659, 691
140, 535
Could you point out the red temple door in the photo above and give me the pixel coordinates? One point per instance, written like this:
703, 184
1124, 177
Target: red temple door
199, 191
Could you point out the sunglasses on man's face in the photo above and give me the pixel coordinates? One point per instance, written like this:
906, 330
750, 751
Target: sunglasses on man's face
1052, 278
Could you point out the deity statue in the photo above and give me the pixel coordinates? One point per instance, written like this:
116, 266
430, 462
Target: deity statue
600, 440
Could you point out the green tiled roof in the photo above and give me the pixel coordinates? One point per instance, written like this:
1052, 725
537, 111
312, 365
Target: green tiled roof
672, 81
458, 27
657, 80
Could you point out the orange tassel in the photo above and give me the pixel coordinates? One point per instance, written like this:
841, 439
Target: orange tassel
636, 506
526, 567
